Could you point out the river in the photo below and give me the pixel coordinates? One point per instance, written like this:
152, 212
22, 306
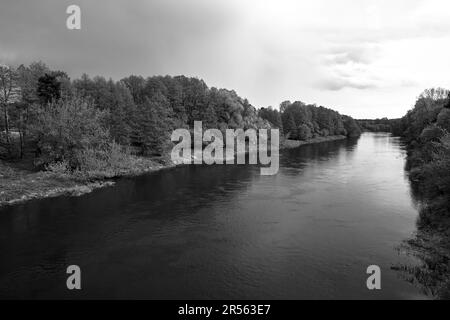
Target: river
224, 231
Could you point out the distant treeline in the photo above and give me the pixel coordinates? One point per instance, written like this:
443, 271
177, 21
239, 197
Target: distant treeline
300, 121
94, 123
380, 125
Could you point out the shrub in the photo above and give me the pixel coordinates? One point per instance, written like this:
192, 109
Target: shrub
110, 161
60, 169
443, 119
304, 132
6, 171
431, 133
65, 128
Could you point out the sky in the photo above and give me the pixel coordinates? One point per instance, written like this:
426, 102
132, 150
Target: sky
363, 58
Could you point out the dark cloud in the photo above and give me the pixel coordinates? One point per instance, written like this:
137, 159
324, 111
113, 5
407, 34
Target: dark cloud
117, 37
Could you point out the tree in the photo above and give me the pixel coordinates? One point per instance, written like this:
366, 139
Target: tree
136, 85
284, 105
175, 97
447, 105
443, 119
8, 94
304, 132
154, 124
122, 114
435, 94
352, 128
271, 115
28, 81
290, 127
49, 88
63, 128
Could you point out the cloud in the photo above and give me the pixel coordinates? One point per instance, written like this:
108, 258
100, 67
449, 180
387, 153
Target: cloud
336, 84
117, 37
349, 66
364, 53
268, 51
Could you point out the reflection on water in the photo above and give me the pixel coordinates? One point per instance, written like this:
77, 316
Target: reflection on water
223, 231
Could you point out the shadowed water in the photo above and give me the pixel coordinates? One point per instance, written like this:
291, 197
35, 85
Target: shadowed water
224, 231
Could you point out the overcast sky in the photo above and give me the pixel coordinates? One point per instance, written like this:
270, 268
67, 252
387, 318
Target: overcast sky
364, 58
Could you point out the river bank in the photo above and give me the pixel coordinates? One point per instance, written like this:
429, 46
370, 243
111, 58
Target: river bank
18, 185
290, 144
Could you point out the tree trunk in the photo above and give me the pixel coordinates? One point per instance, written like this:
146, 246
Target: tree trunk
6, 116
21, 144
21, 135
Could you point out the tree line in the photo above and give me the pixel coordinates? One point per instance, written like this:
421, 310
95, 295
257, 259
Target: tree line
48, 116
426, 128
378, 125
300, 121
94, 123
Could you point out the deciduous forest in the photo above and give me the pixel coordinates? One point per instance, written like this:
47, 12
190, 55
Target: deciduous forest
94, 127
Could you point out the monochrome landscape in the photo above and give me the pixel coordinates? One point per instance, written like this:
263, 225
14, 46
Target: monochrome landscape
224, 150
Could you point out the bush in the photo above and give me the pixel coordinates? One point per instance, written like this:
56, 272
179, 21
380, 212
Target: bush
108, 162
66, 128
431, 133
304, 132
6, 171
60, 169
443, 119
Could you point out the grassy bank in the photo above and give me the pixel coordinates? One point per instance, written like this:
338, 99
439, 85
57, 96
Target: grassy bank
290, 144
18, 185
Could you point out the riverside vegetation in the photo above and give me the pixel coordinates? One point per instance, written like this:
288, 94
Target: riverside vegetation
69, 136
426, 130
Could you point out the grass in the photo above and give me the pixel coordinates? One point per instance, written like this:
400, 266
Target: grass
19, 185
289, 144
432, 273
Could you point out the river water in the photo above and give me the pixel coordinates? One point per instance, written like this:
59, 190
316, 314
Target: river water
224, 231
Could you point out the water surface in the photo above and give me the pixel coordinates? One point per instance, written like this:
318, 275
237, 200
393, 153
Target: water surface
224, 232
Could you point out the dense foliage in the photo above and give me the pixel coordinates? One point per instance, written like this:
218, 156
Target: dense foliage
300, 121
81, 123
86, 122
376, 125
427, 129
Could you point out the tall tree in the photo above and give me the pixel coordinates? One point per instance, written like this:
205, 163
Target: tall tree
154, 124
49, 88
27, 81
447, 105
8, 94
